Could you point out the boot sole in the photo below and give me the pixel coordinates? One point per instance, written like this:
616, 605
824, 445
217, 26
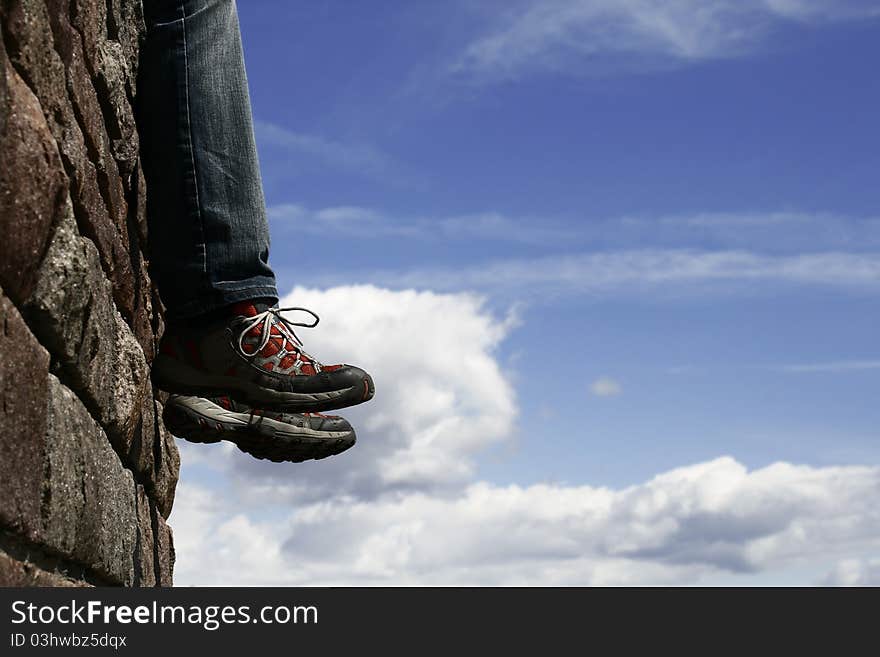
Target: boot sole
201, 421
174, 376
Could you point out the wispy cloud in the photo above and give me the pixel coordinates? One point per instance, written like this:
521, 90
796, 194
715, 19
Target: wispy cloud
303, 151
638, 271
367, 223
603, 35
772, 232
342, 220
832, 367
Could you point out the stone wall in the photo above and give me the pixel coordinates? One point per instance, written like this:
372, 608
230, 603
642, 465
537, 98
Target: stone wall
87, 469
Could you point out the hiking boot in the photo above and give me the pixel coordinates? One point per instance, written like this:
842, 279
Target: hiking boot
254, 357
263, 434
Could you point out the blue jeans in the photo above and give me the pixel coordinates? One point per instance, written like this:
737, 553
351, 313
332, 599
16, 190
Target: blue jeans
209, 237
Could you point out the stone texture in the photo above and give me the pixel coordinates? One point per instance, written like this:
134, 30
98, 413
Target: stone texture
87, 108
32, 49
22, 573
72, 311
32, 182
141, 319
164, 549
30, 46
5, 72
106, 118
24, 367
167, 466
91, 21
144, 557
125, 24
87, 469
119, 117
89, 507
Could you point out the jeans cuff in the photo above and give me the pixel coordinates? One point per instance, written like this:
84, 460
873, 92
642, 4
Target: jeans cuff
219, 298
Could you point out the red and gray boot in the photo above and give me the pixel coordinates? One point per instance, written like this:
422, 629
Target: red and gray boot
263, 434
254, 357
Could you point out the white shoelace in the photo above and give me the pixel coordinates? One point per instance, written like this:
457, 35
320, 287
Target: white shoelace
273, 316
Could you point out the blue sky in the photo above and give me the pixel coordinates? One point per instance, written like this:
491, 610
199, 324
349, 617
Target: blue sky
659, 221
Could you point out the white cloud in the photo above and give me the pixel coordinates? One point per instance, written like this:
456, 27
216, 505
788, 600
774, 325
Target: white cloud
404, 505
441, 395
776, 232
683, 525
606, 387
646, 270
699, 251
854, 572
602, 35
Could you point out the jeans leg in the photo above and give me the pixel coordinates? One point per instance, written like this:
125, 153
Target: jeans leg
209, 237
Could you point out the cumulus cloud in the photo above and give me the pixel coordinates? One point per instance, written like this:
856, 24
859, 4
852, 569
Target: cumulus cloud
441, 398
681, 526
404, 506
606, 387
603, 35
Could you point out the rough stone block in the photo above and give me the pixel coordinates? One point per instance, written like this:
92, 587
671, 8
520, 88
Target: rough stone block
72, 311
141, 320
67, 279
164, 549
89, 507
24, 367
90, 20
88, 110
112, 75
32, 182
31, 48
4, 84
125, 23
167, 466
87, 470
144, 557
22, 573
139, 203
